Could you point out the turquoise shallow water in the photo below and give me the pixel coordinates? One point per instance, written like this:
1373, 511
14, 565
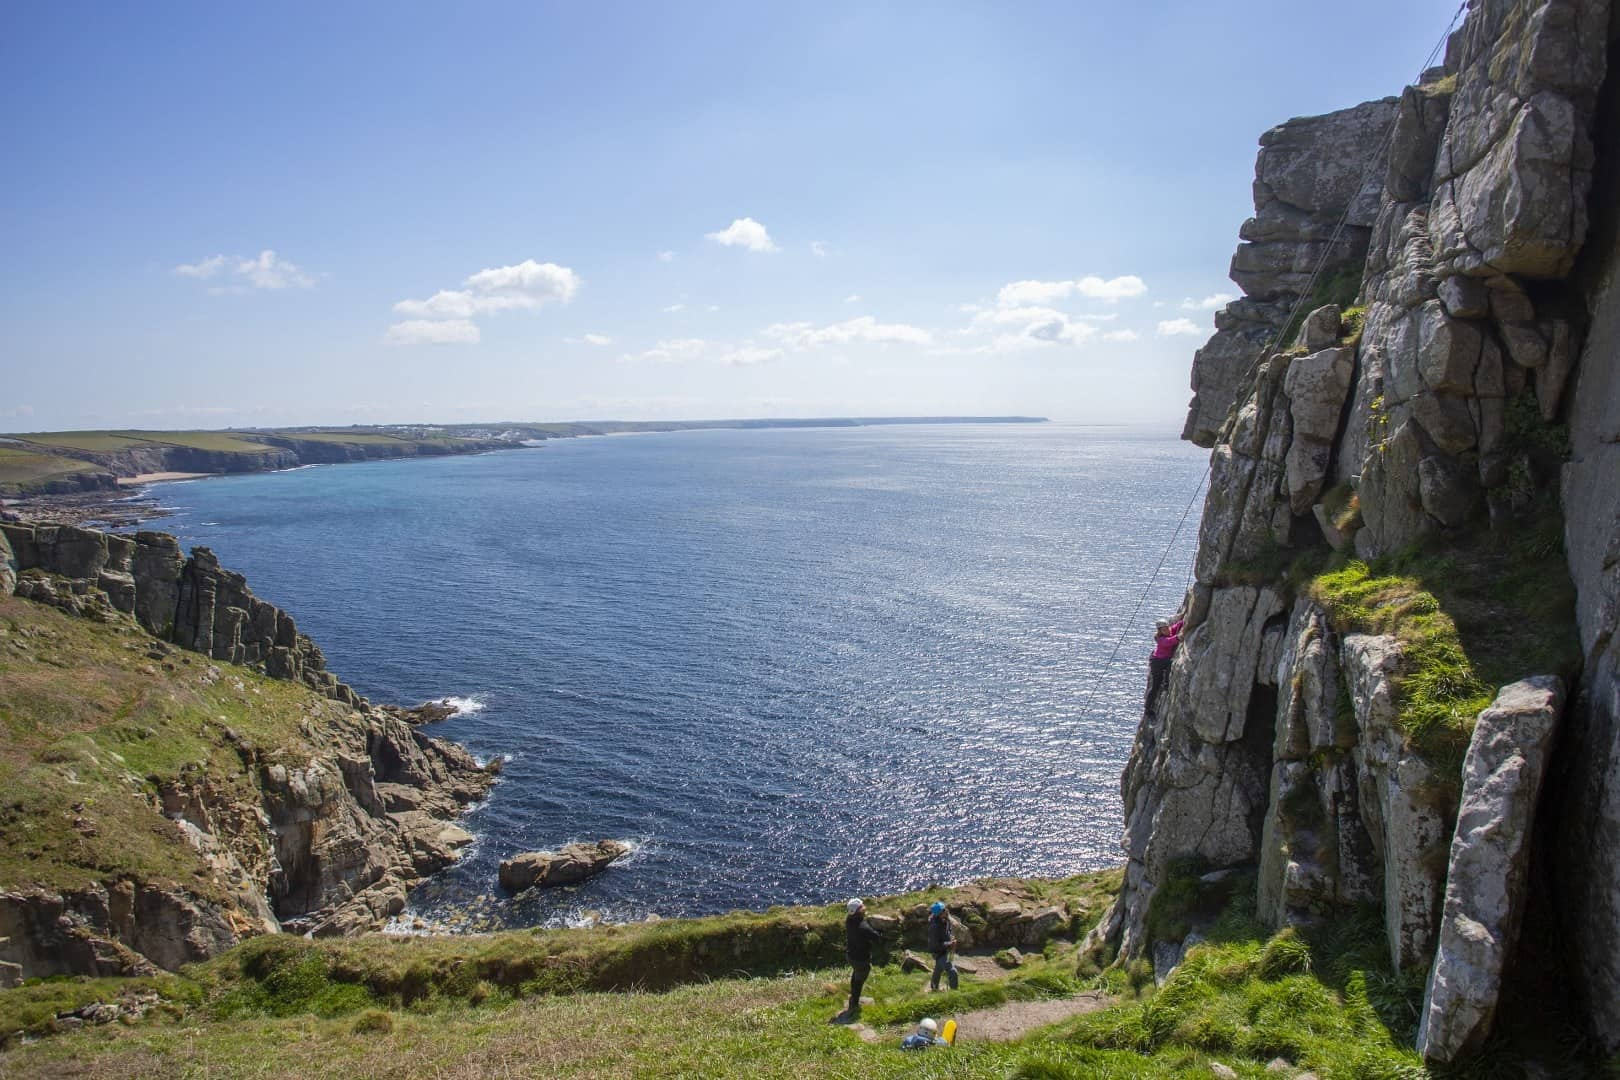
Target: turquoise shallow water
794, 665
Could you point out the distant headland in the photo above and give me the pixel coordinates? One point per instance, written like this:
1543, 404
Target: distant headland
77, 476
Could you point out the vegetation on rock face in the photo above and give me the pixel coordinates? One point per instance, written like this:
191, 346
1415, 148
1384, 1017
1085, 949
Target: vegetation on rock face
1471, 616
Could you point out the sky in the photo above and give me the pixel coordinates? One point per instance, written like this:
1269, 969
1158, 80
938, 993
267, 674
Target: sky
222, 215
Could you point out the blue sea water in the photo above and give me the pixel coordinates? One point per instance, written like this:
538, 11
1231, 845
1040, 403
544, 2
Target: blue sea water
793, 665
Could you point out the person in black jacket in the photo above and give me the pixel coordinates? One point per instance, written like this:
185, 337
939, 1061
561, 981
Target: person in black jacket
858, 938
940, 942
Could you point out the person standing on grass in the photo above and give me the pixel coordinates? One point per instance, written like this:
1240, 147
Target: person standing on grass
858, 938
940, 942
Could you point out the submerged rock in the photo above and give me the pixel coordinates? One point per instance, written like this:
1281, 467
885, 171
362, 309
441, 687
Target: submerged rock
571, 865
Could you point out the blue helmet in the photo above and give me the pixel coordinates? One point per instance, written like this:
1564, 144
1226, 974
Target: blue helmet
938, 907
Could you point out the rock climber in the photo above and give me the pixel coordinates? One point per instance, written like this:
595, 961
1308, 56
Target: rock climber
926, 1035
859, 935
940, 942
1166, 636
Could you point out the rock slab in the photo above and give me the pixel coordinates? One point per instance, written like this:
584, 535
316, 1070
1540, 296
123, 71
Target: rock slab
1489, 868
571, 865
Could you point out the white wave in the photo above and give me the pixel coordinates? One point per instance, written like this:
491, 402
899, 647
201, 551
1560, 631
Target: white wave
464, 706
297, 468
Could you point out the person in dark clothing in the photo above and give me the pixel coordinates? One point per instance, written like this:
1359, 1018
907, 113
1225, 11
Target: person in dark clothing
940, 942
859, 936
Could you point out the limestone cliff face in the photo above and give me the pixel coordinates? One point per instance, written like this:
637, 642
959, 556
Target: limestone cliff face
321, 833
1489, 264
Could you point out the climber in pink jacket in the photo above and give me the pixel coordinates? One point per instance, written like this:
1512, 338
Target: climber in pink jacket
1166, 637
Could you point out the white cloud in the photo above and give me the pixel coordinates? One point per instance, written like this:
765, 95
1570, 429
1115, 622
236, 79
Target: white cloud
590, 339
853, 298
1173, 327
749, 354
675, 351
1120, 335
1208, 303
745, 233
527, 284
666, 256
1030, 326
1091, 287
712, 307
818, 248
266, 270
673, 308
865, 329
432, 332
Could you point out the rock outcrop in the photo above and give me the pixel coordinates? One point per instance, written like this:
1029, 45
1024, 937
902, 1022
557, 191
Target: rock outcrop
1484, 260
1489, 867
194, 602
1310, 173
321, 833
568, 866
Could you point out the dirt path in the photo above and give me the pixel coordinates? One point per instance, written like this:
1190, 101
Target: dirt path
1015, 1019
1003, 1023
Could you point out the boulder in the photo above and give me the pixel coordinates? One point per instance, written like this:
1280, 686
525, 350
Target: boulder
914, 961
1009, 958
571, 865
1321, 328
1489, 866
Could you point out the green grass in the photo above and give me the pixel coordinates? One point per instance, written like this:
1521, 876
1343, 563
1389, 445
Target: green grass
351, 438
31, 1009
90, 724
1472, 615
220, 441
23, 470
95, 441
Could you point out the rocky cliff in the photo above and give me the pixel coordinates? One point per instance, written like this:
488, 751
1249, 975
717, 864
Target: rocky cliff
160, 807
1408, 574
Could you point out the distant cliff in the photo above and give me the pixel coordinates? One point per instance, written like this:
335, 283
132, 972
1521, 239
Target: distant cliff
1399, 686
160, 807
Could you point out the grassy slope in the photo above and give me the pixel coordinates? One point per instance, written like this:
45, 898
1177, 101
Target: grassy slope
22, 469
1242, 1000
90, 722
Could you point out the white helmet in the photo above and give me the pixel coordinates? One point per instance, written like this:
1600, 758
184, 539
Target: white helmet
855, 905
928, 1026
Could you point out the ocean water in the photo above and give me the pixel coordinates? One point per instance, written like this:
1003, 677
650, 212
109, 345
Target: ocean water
791, 665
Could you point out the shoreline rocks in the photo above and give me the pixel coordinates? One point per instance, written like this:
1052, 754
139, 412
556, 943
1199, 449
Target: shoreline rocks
567, 866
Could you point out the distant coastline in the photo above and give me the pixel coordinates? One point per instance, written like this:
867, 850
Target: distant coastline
87, 477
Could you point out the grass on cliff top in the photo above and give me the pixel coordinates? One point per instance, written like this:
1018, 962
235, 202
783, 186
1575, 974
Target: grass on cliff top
1326, 1002
91, 722
112, 441
1472, 616
1323, 1000
349, 438
23, 470
95, 441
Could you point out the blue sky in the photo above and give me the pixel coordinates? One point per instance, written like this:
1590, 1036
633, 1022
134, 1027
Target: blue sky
639, 210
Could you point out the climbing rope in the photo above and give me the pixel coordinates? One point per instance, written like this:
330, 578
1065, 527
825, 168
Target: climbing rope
1276, 340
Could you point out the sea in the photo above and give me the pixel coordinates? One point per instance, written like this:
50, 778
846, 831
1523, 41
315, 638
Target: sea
788, 665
